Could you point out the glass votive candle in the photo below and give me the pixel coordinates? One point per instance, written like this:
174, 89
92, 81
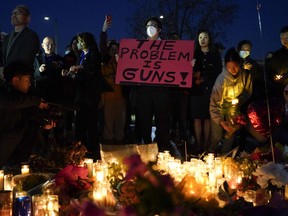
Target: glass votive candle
88, 163
6, 200
99, 172
286, 192
250, 196
212, 178
39, 205
8, 182
53, 205
48, 192
1, 180
22, 204
25, 169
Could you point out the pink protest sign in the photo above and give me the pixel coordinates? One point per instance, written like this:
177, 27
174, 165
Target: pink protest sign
155, 62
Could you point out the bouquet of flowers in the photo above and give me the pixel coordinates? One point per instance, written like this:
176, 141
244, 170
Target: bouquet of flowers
146, 191
271, 175
70, 183
59, 157
236, 121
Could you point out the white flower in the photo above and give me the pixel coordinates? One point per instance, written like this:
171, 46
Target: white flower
275, 174
244, 154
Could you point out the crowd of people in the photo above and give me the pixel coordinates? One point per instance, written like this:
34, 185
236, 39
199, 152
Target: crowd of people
94, 109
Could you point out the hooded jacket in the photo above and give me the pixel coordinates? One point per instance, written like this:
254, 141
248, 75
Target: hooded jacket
226, 88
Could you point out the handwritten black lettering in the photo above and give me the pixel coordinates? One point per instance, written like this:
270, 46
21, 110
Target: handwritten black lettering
156, 44
171, 76
157, 65
129, 73
147, 64
134, 53
168, 45
124, 51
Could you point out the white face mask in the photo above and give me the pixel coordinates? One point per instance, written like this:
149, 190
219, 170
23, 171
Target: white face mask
244, 54
79, 46
151, 31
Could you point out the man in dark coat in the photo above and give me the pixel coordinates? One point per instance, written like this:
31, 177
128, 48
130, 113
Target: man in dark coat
22, 44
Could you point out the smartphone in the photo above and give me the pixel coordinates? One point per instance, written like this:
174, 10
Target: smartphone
108, 17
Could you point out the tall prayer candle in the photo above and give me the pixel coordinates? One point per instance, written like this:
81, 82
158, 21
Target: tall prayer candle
1, 180
88, 162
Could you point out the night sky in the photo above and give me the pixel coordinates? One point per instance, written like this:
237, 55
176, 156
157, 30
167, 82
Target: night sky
88, 15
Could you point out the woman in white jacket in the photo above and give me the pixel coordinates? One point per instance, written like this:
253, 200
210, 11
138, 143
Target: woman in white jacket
231, 90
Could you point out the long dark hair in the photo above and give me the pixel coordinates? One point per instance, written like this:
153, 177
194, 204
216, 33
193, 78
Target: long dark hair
89, 40
211, 42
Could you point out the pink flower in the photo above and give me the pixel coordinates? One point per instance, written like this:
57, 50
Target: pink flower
136, 167
74, 176
256, 156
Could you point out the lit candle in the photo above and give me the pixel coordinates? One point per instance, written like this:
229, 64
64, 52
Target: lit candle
218, 168
1, 180
25, 169
39, 204
53, 205
100, 176
278, 77
8, 183
88, 163
97, 195
235, 101
286, 192
212, 178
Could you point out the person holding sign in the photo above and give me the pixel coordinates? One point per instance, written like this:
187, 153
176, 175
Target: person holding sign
208, 66
154, 100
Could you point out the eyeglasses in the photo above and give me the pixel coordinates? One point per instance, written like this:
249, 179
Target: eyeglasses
16, 13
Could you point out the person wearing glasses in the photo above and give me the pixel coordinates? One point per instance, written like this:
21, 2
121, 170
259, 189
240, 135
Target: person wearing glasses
22, 44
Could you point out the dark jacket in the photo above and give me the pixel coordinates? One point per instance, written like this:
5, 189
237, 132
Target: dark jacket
23, 47
51, 72
279, 66
90, 81
210, 66
15, 115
